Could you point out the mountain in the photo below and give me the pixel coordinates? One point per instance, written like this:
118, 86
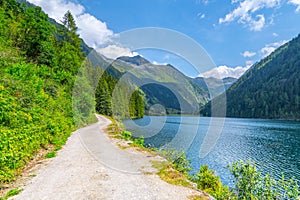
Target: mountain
136, 60
161, 84
214, 86
269, 89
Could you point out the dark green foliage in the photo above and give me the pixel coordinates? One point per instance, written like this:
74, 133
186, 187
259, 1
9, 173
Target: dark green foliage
113, 98
270, 89
104, 95
136, 108
159, 94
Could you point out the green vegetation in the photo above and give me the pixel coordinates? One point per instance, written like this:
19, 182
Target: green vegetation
208, 182
35, 94
177, 159
249, 182
51, 154
270, 89
11, 193
168, 173
160, 84
116, 130
117, 99
46, 86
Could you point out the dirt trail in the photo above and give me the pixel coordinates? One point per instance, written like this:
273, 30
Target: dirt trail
91, 166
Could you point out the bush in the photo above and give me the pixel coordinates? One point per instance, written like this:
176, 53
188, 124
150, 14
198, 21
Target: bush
126, 135
178, 159
139, 141
208, 182
251, 184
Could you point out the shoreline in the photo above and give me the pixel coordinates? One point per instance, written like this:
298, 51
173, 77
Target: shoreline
75, 173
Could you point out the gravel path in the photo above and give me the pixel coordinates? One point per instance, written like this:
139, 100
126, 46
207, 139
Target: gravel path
91, 166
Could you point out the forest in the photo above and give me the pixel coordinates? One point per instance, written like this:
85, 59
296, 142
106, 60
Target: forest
48, 87
270, 88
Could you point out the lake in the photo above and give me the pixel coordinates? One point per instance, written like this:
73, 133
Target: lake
273, 145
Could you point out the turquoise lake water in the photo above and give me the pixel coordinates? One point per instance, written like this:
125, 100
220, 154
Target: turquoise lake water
273, 145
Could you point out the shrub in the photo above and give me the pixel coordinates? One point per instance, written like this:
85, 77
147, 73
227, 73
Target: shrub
126, 135
178, 159
251, 184
208, 182
139, 141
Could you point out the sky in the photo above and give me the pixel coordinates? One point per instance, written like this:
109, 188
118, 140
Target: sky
235, 33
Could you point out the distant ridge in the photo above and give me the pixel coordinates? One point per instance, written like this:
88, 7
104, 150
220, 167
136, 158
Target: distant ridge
137, 60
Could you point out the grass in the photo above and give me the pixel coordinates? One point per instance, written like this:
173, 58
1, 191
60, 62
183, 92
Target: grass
11, 193
167, 173
51, 154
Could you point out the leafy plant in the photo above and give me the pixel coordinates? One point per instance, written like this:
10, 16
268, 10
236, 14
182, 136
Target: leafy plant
178, 159
126, 135
251, 184
139, 142
208, 182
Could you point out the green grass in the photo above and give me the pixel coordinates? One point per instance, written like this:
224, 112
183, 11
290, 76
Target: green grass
11, 193
51, 154
170, 175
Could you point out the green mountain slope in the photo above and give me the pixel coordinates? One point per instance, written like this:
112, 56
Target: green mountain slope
163, 84
270, 89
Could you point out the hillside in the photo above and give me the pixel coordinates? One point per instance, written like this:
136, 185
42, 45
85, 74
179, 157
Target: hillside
45, 93
161, 84
270, 89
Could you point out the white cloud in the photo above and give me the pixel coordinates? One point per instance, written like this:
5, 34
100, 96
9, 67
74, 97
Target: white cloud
244, 13
57, 8
224, 71
257, 25
114, 51
248, 54
269, 48
296, 3
275, 34
93, 31
157, 63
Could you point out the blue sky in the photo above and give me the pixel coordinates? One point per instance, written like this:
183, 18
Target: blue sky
234, 33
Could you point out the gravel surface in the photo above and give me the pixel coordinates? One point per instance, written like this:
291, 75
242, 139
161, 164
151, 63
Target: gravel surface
91, 166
